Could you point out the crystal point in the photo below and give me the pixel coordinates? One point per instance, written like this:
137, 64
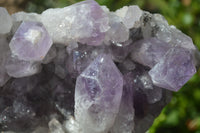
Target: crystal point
174, 69
97, 95
31, 42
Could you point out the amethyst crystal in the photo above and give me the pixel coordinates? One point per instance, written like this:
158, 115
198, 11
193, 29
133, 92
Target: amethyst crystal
148, 52
31, 42
97, 95
174, 69
85, 22
84, 69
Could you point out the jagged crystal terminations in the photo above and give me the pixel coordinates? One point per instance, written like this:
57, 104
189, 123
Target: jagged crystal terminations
85, 69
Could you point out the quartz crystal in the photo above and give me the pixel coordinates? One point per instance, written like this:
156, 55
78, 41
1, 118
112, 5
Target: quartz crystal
124, 122
148, 52
85, 22
97, 95
5, 21
130, 16
31, 42
19, 68
174, 69
85, 69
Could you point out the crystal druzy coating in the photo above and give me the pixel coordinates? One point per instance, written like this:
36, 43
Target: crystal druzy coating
84, 69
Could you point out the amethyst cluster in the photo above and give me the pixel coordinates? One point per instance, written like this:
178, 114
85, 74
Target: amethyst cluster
85, 69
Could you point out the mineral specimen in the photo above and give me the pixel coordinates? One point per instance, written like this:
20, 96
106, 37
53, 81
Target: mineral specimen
84, 69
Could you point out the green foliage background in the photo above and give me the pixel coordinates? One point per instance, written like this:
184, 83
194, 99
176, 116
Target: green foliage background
182, 115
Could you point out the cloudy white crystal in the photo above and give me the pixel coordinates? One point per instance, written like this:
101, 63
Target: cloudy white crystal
130, 16
84, 22
5, 21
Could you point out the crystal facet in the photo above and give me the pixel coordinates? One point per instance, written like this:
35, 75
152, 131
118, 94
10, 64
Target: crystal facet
174, 69
97, 71
97, 95
31, 42
85, 22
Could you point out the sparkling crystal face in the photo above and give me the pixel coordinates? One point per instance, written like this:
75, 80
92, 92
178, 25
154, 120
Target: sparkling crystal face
31, 42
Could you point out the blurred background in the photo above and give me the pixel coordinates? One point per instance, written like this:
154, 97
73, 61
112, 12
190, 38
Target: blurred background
182, 114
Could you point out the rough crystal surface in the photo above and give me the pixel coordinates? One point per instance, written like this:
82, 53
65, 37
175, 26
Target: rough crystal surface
130, 16
97, 95
155, 25
31, 42
85, 22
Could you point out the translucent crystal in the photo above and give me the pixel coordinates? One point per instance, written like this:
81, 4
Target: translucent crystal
97, 95
31, 42
155, 25
148, 52
19, 68
84, 22
107, 72
124, 122
5, 21
174, 69
130, 16
118, 32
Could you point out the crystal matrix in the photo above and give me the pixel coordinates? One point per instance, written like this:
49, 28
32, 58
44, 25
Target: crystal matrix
85, 69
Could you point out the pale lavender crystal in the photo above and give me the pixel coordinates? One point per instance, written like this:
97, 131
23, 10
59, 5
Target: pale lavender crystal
97, 95
118, 32
148, 52
19, 68
124, 122
85, 22
174, 69
31, 42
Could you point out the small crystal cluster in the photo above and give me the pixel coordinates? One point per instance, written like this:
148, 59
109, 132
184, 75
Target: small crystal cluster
85, 69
